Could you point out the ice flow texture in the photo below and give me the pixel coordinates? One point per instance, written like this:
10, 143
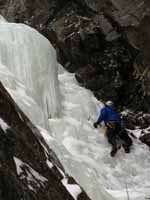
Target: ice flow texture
32, 59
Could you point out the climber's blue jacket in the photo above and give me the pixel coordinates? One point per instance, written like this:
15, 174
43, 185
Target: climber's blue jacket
108, 113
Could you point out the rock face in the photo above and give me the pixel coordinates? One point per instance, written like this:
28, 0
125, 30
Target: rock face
28, 168
145, 138
106, 43
37, 13
95, 44
134, 120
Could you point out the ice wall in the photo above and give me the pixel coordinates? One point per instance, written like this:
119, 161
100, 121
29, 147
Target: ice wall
21, 97
85, 152
32, 60
74, 134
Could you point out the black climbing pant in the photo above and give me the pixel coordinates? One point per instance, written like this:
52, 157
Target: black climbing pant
116, 133
126, 140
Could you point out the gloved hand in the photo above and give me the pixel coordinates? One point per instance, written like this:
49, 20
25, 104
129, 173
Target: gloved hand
95, 124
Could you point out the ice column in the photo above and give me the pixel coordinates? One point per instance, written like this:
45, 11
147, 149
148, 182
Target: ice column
30, 57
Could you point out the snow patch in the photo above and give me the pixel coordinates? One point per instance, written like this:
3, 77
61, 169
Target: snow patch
62, 173
4, 125
73, 189
34, 179
50, 165
18, 163
45, 134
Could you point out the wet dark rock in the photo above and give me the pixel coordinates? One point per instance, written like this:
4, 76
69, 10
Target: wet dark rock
145, 138
133, 120
24, 172
85, 40
84, 74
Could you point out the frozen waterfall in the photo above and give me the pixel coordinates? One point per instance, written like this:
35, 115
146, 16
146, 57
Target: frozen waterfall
32, 60
28, 70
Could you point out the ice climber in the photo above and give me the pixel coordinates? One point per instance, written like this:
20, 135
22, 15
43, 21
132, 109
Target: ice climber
115, 133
